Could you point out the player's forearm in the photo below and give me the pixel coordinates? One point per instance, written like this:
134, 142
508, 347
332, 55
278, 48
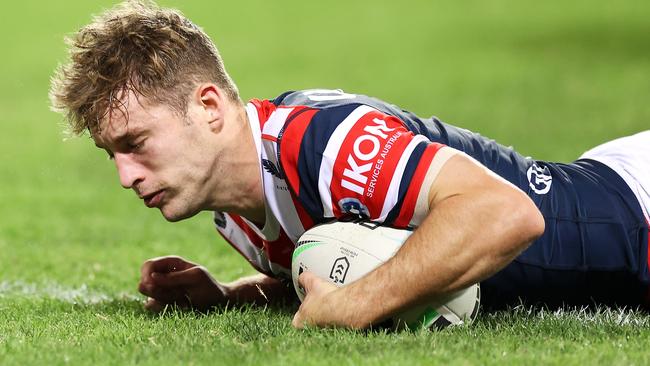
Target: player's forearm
258, 289
464, 240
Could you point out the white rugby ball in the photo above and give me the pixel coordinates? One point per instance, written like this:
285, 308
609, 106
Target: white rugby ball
343, 252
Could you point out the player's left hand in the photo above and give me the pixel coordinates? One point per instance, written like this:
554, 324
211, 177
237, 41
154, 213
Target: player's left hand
320, 306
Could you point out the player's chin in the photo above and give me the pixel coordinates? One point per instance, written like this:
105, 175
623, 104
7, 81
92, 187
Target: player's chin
174, 214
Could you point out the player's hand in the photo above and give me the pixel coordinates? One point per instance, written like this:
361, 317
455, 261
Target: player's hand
320, 307
174, 281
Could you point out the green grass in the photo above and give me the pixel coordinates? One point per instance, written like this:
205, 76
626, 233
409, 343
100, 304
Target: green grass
551, 78
49, 331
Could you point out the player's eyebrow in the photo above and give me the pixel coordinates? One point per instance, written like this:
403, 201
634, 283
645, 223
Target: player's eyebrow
117, 140
131, 133
101, 147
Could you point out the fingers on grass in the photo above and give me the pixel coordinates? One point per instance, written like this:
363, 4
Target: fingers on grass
153, 305
184, 278
164, 265
164, 295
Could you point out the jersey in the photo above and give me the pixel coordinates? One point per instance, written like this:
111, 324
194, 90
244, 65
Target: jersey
326, 154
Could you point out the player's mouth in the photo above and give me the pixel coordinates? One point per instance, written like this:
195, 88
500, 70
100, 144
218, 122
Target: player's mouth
154, 199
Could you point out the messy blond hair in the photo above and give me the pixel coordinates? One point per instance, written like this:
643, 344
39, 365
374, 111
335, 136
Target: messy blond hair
134, 47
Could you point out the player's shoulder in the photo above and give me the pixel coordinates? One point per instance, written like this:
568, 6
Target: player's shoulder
316, 114
327, 99
302, 107
317, 98
327, 108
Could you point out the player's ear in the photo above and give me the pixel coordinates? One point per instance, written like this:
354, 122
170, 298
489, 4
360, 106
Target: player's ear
211, 105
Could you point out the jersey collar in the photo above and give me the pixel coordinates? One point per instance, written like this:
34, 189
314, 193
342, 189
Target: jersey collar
270, 225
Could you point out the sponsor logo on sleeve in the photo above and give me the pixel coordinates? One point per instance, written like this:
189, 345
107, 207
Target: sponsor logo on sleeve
539, 179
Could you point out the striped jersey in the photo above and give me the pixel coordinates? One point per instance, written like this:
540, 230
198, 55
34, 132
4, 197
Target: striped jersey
326, 154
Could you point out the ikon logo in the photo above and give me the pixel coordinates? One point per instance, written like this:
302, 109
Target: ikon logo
356, 172
340, 270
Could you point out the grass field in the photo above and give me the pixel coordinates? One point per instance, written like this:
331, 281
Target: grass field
550, 78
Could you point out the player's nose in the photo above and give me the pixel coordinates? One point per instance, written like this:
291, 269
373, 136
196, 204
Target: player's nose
129, 171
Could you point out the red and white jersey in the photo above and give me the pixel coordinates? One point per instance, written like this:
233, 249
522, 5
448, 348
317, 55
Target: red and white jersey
330, 155
325, 154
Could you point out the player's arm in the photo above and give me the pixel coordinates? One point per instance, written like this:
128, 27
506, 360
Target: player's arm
476, 224
174, 280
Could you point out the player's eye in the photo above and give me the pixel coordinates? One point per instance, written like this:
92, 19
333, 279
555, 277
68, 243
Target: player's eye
136, 145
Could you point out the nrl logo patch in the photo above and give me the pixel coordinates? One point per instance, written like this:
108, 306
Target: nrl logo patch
339, 270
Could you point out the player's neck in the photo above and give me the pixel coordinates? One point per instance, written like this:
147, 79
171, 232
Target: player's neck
244, 195
253, 189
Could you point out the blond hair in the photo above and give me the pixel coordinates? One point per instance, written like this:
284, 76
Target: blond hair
134, 47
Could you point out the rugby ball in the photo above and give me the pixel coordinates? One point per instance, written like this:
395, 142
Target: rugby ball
343, 252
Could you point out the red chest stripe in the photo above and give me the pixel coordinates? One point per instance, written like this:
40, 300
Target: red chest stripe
278, 251
291, 142
252, 236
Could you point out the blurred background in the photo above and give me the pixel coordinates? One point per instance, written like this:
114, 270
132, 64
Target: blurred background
550, 78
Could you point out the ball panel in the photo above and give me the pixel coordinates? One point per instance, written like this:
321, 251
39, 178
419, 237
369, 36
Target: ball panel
379, 241
343, 252
417, 318
335, 262
465, 303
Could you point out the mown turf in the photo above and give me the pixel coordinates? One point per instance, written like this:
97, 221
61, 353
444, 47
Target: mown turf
118, 332
551, 78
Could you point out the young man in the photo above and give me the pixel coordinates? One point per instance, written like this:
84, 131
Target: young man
151, 89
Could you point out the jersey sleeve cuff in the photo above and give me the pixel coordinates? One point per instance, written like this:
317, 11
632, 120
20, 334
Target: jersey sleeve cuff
422, 204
